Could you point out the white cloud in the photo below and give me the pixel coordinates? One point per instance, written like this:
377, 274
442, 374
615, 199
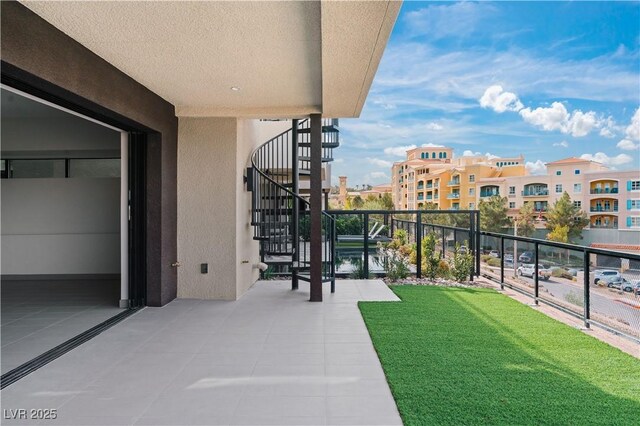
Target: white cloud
378, 175
557, 117
607, 133
434, 126
632, 140
603, 158
608, 127
378, 162
633, 131
399, 151
338, 160
469, 153
628, 145
499, 100
536, 168
563, 144
431, 145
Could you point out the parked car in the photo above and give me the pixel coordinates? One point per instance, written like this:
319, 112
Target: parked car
529, 270
508, 258
526, 257
636, 288
618, 282
599, 274
494, 253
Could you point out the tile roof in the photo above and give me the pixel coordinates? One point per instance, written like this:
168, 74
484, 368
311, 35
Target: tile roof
616, 246
570, 160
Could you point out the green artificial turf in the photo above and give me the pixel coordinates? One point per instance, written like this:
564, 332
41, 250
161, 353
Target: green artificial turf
460, 356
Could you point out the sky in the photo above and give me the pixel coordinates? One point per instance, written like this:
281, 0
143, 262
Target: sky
547, 80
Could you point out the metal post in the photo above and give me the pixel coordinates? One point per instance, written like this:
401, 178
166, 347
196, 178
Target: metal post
587, 293
444, 249
501, 263
419, 245
477, 252
315, 201
295, 205
366, 244
536, 279
472, 231
333, 255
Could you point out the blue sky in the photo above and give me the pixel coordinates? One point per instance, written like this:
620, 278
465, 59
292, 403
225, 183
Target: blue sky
547, 80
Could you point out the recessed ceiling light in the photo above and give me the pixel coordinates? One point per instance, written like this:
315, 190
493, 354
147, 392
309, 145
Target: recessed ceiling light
235, 88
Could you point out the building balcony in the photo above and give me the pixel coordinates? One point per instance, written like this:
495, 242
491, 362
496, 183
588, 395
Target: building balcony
534, 193
485, 194
613, 209
613, 190
429, 197
453, 196
429, 185
453, 183
604, 226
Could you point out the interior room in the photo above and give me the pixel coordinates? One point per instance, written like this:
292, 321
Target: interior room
63, 193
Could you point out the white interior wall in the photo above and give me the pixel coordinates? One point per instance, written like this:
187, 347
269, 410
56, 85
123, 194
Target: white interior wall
59, 226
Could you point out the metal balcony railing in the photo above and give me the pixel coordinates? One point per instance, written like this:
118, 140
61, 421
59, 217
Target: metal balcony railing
604, 209
453, 196
535, 193
604, 190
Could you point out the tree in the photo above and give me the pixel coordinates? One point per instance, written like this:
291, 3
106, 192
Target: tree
525, 221
493, 214
559, 234
387, 201
565, 213
357, 202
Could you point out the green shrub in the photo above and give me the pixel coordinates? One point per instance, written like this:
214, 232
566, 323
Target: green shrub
431, 258
561, 273
359, 273
493, 262
401, 236
396, 266
461, 264
485, 258
574, 298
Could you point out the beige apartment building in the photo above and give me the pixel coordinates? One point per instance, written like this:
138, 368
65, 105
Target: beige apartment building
611, 198
432, 175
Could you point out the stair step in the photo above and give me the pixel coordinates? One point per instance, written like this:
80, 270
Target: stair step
307, 278
278, 253
330, 145
277, 210
324, 159
325, 129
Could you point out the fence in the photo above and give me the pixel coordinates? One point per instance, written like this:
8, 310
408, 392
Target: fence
602, 287
358, 232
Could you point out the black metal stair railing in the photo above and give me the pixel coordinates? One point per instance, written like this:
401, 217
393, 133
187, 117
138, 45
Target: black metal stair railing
280, 214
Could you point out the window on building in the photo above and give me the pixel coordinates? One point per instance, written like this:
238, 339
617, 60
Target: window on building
558, 188
633, 185
512, 190
633, 204
577, 203
37, 168
94, 167
633, 222
576, 171
444, 155
577, 188
558, 173
472, 206
472, 191
472, 178
512, 204
433, 155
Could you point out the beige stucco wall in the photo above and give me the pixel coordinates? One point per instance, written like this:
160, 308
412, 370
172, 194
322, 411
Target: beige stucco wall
214, 207
207, 168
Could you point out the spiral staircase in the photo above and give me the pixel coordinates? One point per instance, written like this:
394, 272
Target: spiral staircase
279, 179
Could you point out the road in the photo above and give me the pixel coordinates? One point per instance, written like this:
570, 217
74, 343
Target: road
606, 305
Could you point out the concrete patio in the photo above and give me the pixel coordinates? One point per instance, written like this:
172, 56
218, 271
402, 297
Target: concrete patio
269, 358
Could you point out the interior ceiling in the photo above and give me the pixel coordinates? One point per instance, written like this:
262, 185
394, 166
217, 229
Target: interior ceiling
285, 58
16, 106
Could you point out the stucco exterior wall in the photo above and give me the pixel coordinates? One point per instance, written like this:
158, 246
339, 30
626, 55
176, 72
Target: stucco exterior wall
214, 207
207, 168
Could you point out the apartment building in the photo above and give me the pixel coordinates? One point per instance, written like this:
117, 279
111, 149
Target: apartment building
433, 175
611, 198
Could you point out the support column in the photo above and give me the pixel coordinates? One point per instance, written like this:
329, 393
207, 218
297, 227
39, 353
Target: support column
315, 199
295, 205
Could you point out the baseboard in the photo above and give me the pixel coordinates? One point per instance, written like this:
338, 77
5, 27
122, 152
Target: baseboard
54, 277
